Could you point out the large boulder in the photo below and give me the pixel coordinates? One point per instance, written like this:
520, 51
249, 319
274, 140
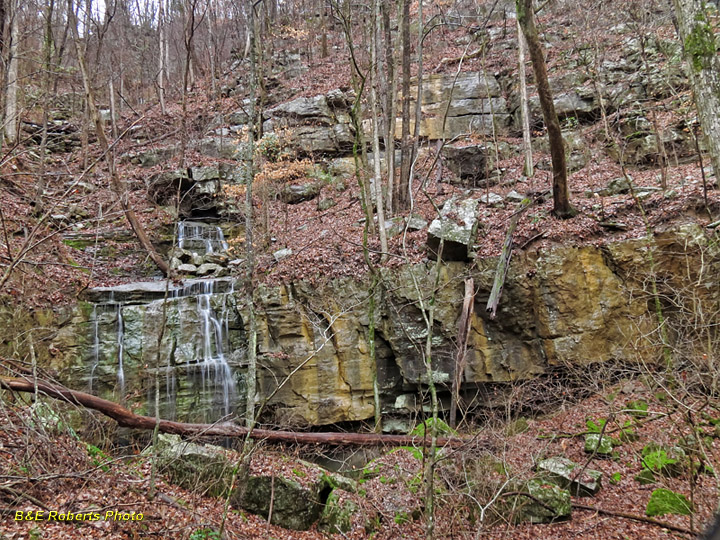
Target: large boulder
535, 501
318, 125
473, 101
202, 468
300, 192
201, 190
454, 228
296, 503
566, 474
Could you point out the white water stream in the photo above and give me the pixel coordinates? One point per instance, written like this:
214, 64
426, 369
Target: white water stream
195, 343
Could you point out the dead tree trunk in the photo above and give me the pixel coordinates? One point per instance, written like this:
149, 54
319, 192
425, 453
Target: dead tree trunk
11, 104
524, 109
504, 262
127, 418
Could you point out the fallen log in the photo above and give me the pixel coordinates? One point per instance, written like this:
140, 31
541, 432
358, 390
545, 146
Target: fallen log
504, 261
126, 418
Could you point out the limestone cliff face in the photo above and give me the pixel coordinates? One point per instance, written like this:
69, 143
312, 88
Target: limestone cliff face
562, 306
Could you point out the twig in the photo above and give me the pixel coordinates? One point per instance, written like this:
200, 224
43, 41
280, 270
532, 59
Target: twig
636, 517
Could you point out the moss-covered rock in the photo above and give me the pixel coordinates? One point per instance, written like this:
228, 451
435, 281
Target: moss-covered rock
563, 472
202, 468
536, 501
599, 445
337, 514
294, 505
664, 501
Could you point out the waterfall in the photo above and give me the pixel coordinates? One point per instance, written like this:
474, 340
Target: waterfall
193, 354
121, 352
196, 236
214, 368
96, 347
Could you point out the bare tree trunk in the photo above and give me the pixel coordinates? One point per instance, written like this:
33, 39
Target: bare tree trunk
561, 195
113, 108
389, 88
251, 378
11, 104
699, 43
102, 140
402, 188
374, 80
162, 38
524, 109
47, 76
463, 336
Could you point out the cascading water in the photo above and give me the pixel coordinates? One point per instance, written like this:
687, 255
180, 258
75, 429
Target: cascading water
213, 366
191, 361
195, 236
121, 352
192, 358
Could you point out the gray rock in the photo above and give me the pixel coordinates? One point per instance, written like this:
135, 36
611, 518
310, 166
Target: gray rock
343, 167
514, 197
294, 507
208, 268
491, 199
475, 101
468, 163
221, 147
416, 223
563, 472
297, 193
454, 227
200, 468
337, 514
523, 509
315, 125
150, 158
616, 186
187, 268
282, 254
325, 204
601, 447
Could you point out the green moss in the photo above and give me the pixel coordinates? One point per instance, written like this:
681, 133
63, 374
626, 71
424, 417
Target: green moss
204, 534
402, 517
594, 427
637, 408
442, 428
664, 501
517, 426
415, 483
700, 44
664, 460
78, 243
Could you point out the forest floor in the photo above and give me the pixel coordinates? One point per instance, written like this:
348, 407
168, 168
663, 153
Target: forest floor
43, 466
